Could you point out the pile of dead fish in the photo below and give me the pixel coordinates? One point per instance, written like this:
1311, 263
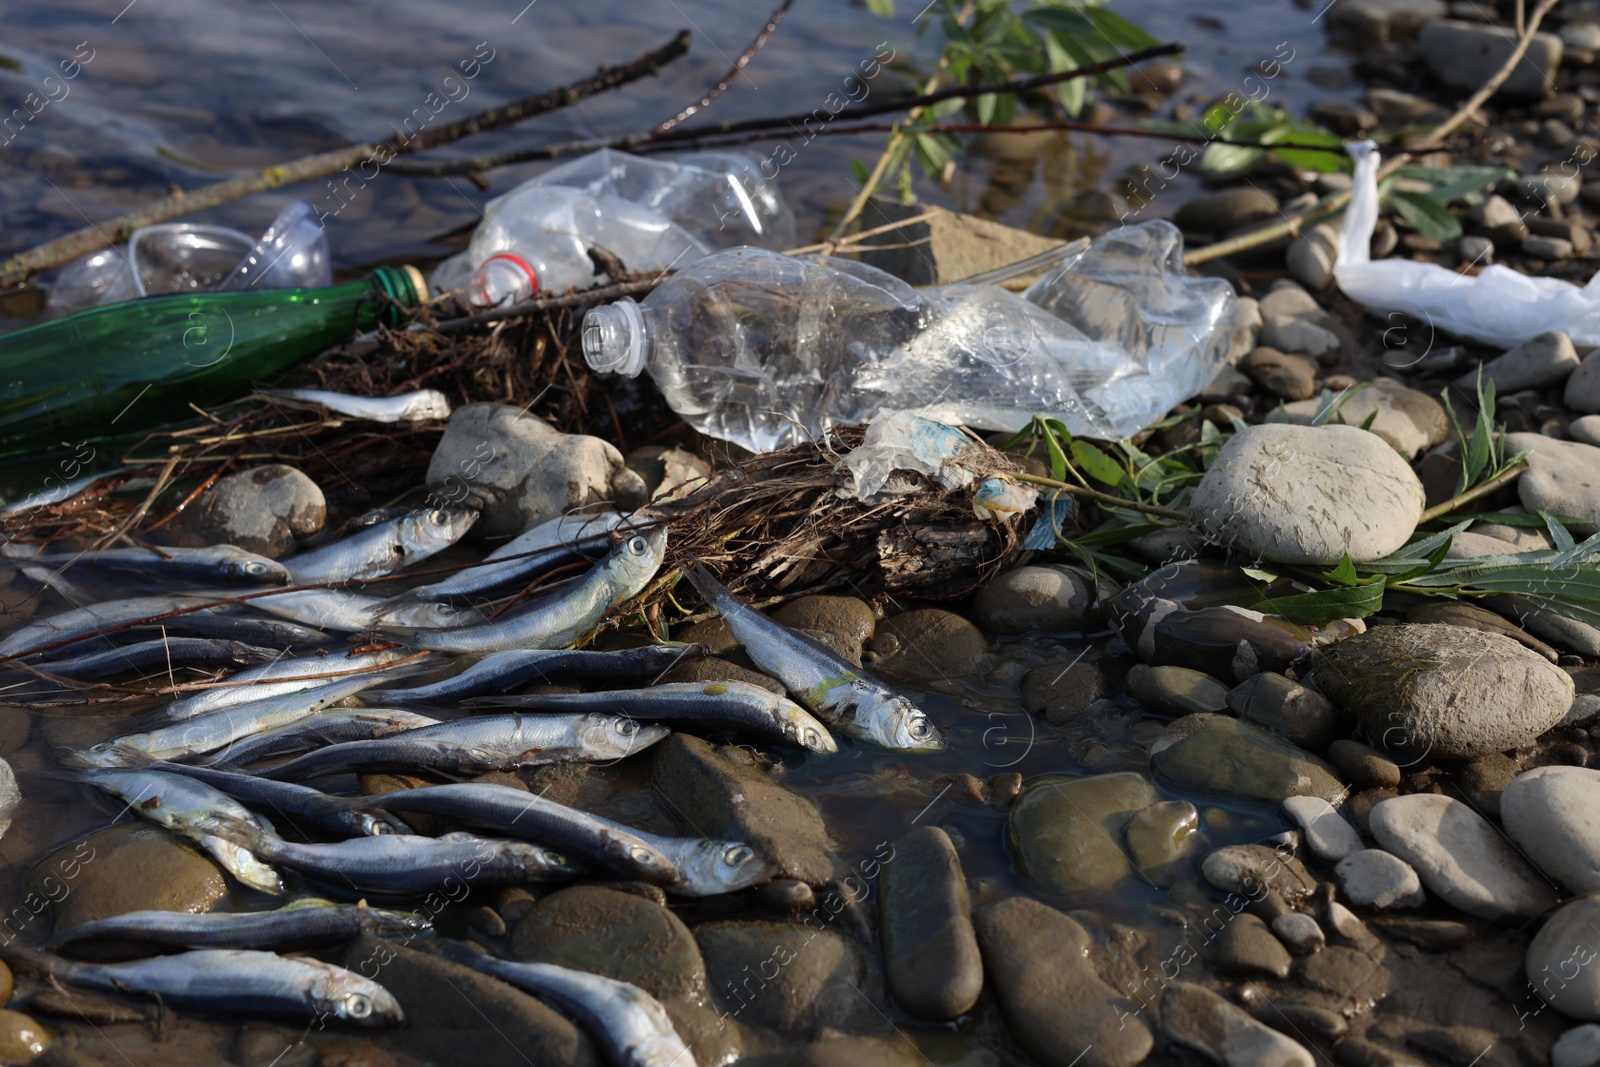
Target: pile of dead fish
303, 703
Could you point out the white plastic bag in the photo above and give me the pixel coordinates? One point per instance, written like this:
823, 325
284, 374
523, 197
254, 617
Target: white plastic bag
1499, 307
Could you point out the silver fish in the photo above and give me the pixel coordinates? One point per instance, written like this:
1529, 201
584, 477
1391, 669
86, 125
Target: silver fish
501, 671
384, 547
346, 612
235, 982
519, 813
303, 923
323, 728
563, 616
300, 804
214, 564
212, 820
629, 1023
486, 743
81, 622
265, 680
737, 705
216, 729
159, 655
419, 405
707, 867
549, 544
401, 864
820, 678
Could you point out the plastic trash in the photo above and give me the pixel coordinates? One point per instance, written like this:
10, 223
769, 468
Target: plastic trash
1500, 306
651, 213
767, 350
900, 441
187, 257
292, 254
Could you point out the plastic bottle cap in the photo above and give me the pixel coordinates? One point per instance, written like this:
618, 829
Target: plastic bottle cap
614, 338
418, 283
502, 280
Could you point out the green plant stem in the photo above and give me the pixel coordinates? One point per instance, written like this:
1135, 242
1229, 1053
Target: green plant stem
1505, 477
1105, 498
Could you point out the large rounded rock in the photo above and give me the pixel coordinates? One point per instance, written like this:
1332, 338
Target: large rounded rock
1553, 814
456, 1017
1308, 495
1302, 716
1195, 1017
1031, 599
1066, 832
1409, 419
619, 935
929, 643
129, 867
795, 978
261, 510
1561, 964
1440, 691
1056, 1004
1460, 857
930, 952
519, 470
1563, 477
1458, 53
1221, 755
1225, 210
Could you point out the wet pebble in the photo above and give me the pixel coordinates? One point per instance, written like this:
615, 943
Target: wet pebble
1161, 838
1364, 766
619, 935
1373, 878
793, 978
1561, 965
1553, 815
1196, 1018
1176, 690
22, 1039
1281, 374
262, 510
1443, 691
1246, 948
929, 643
740, 803
1057, 1006
1065, 832
1308, 494
1061, 689
1578, 1047
1300, 715
1460, 857
1300, 932
1329, 837
847, 618
1030, 599
1248, 869
1222, 755
129, 867
930, 952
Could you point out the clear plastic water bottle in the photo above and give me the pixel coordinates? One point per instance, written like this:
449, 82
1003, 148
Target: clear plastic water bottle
767, 350
651, 213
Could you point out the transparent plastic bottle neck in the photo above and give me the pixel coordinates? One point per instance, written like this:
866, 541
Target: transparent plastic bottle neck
616, 339
502, 280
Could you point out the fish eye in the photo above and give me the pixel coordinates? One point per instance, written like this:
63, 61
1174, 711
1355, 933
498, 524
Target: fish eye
809, 737
627, 727
919, 728
438, 516
638, 545
357, 1006
738, 855
640, 854
255, 566
553, 859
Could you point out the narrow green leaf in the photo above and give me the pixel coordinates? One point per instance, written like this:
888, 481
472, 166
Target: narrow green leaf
1326, 605
1058, 458
1431, 218
1344, 573
1097, 465
1224, 160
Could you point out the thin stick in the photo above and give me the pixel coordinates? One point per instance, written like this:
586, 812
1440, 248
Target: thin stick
829, 247
96, 236
1497, 79
551, 303
733, 72
1505, 477
1293, 224
679, 138
1105, 498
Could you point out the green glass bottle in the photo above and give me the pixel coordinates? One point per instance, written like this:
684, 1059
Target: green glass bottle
124, 368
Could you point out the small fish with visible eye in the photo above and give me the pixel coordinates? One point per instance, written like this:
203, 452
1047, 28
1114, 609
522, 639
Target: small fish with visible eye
402, 864
230, 981
160, 655
563, 616
328, 727
478, 745
420, 405
501, 671
211, 565
735, 705
382, 548
300, 924
300, 804
531, 553
821, 679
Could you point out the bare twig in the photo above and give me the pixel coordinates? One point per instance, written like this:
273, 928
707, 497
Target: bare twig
733, 72
100, 235
677, 139
1497, 79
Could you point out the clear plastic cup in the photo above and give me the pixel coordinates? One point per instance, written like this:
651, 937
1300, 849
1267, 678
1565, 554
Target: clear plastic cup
184, 257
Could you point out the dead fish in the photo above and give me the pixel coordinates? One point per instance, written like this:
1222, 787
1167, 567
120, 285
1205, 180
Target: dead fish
403, 864
501, 671
523, 558
299, 924
210, 565
383, 547
417, 406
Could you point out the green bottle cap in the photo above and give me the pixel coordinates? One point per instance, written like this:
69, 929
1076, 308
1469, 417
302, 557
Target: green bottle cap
403, 285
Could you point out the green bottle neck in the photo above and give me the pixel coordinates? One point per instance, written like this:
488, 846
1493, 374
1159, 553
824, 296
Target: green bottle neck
402, 289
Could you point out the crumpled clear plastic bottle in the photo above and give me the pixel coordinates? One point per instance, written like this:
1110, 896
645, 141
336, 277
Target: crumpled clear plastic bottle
767, 350
651, 213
